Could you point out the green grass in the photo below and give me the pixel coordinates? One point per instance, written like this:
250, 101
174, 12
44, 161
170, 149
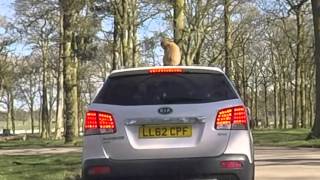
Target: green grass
289, 138
37, 142
40, 167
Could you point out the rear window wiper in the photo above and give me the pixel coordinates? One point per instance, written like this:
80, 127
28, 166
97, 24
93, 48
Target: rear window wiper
183, 100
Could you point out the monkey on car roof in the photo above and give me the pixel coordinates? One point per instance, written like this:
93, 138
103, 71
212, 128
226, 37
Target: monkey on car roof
172, 54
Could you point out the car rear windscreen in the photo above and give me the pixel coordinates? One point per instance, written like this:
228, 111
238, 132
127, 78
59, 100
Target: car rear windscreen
153, 89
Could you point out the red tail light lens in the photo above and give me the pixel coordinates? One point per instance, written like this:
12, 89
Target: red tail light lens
165, 70
99, 170
99, 122
240, 118
231, 164
91, 120
232, 118
224, 119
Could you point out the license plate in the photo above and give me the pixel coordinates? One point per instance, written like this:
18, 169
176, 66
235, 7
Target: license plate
165, 131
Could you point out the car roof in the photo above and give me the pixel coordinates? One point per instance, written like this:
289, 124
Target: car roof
214, 69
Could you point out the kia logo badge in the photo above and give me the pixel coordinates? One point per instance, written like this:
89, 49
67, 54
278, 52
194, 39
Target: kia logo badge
165, 110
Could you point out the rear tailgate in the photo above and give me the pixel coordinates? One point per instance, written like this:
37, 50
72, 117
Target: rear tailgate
170, 114
205, 141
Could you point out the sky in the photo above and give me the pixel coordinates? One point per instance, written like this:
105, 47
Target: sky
7, 11
6, 8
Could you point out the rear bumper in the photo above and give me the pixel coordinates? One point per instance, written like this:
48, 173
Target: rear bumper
199, 168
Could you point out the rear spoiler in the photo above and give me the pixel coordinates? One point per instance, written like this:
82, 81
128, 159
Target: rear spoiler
170, 70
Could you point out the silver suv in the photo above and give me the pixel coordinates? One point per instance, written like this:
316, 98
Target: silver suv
179, 122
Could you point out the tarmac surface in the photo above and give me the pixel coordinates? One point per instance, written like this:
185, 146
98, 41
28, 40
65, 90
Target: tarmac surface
272, 163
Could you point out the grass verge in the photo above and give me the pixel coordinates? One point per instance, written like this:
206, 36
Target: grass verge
37, 142
40, 167
281, 137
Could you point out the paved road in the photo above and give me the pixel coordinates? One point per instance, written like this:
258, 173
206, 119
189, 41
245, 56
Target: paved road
40, 151
271, 163
287, 163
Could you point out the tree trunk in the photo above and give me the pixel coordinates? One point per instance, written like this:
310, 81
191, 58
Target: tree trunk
315, 133
77, 45
45, 133
303, 117
251, 105
256, 99
80, 110
285, 119
244, 76
196, 60
227, 37
237, 78
296, 86
275, 103
78, 125
297, 69
59, 110
266, 105
292, 102
309, 106
311, 103
11, 102
132, 31
275, 86
70, 88
116, 47
124, 33
302, 72
178, 23
32, 116
8, 120
10, 113
70, 70
280, 105
134, 48
51, 100
60, 93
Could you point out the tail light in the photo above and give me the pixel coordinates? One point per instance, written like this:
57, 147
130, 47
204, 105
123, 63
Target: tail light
99, 123
165, 70
231, 164
99, 170
232, 118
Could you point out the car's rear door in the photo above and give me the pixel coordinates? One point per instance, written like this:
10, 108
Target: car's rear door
165, 115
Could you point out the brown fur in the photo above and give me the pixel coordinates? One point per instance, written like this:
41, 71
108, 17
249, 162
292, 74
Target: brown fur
172, 54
